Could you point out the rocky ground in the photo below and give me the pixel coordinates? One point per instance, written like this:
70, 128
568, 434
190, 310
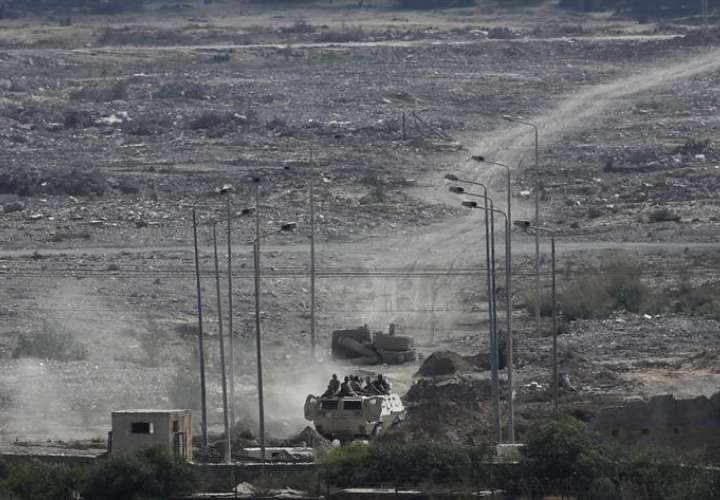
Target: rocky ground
112, 132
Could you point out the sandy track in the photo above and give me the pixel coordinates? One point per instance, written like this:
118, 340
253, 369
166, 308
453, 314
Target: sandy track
577, 112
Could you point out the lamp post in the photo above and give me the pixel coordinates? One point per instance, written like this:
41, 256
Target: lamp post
472, 204
258, 343
537, 216
201, 339
527, 226
488, 248
226, 419
508, 288
231, 333
492, 310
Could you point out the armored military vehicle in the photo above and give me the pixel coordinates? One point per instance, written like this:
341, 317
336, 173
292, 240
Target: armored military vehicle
354, 417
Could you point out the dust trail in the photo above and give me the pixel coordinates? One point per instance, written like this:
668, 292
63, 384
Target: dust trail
73, 398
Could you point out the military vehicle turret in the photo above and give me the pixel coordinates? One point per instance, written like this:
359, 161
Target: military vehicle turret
354, 417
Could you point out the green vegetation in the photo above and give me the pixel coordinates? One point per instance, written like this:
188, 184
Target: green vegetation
617, 287
150, 474
35, 480
703, 300
403, 464
561, 457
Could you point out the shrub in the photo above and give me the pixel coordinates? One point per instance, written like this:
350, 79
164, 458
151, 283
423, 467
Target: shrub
559, 452
127, 186
693, 147
625, 286
587, 298
214, 119
50, 344
343, 35
116, 91
34, 481
402, 464
148, 124
78, 119
150, 474
619, 287
74, 182
299, 27
663, 214
701, 300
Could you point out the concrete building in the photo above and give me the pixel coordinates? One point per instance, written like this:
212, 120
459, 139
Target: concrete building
135, 429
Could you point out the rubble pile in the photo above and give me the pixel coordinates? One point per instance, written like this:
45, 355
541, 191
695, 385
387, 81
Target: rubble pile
456, 409
444, 363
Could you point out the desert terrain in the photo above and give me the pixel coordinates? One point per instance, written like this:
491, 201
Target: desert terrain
113, 128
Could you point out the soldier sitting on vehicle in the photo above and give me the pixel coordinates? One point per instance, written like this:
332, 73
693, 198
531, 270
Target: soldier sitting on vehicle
381, 385
355, 384
333, 387
369, 388
345, 389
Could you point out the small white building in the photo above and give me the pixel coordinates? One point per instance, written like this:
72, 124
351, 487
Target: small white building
136, 429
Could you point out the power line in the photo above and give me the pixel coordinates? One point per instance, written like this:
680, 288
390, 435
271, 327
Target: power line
301, 272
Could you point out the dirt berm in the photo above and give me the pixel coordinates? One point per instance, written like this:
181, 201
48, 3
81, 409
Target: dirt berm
449, 363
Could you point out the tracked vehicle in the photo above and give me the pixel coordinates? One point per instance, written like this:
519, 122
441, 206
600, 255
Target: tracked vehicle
354, 417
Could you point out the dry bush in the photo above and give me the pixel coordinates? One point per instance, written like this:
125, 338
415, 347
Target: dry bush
129, 35
693, 146
299, 27
618, 287
701, 300
52, 343
214, 119
343, 35
73, 182
116, 91
663, 214
76, 118
147, 125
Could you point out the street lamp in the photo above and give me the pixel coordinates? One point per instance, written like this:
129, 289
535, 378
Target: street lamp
258, 343
527, 226
494, 358
508, 287
489, 247
537, 216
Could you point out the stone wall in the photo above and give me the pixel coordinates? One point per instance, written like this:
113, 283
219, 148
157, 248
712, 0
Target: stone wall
685, 424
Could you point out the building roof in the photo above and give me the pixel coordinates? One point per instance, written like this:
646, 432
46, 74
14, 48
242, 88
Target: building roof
156, 411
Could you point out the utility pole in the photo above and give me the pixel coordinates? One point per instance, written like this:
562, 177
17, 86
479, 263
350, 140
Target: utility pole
256, 259
201, 339
226, 421
556, 376
494, 344
313, 339
231, 346
537, 235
